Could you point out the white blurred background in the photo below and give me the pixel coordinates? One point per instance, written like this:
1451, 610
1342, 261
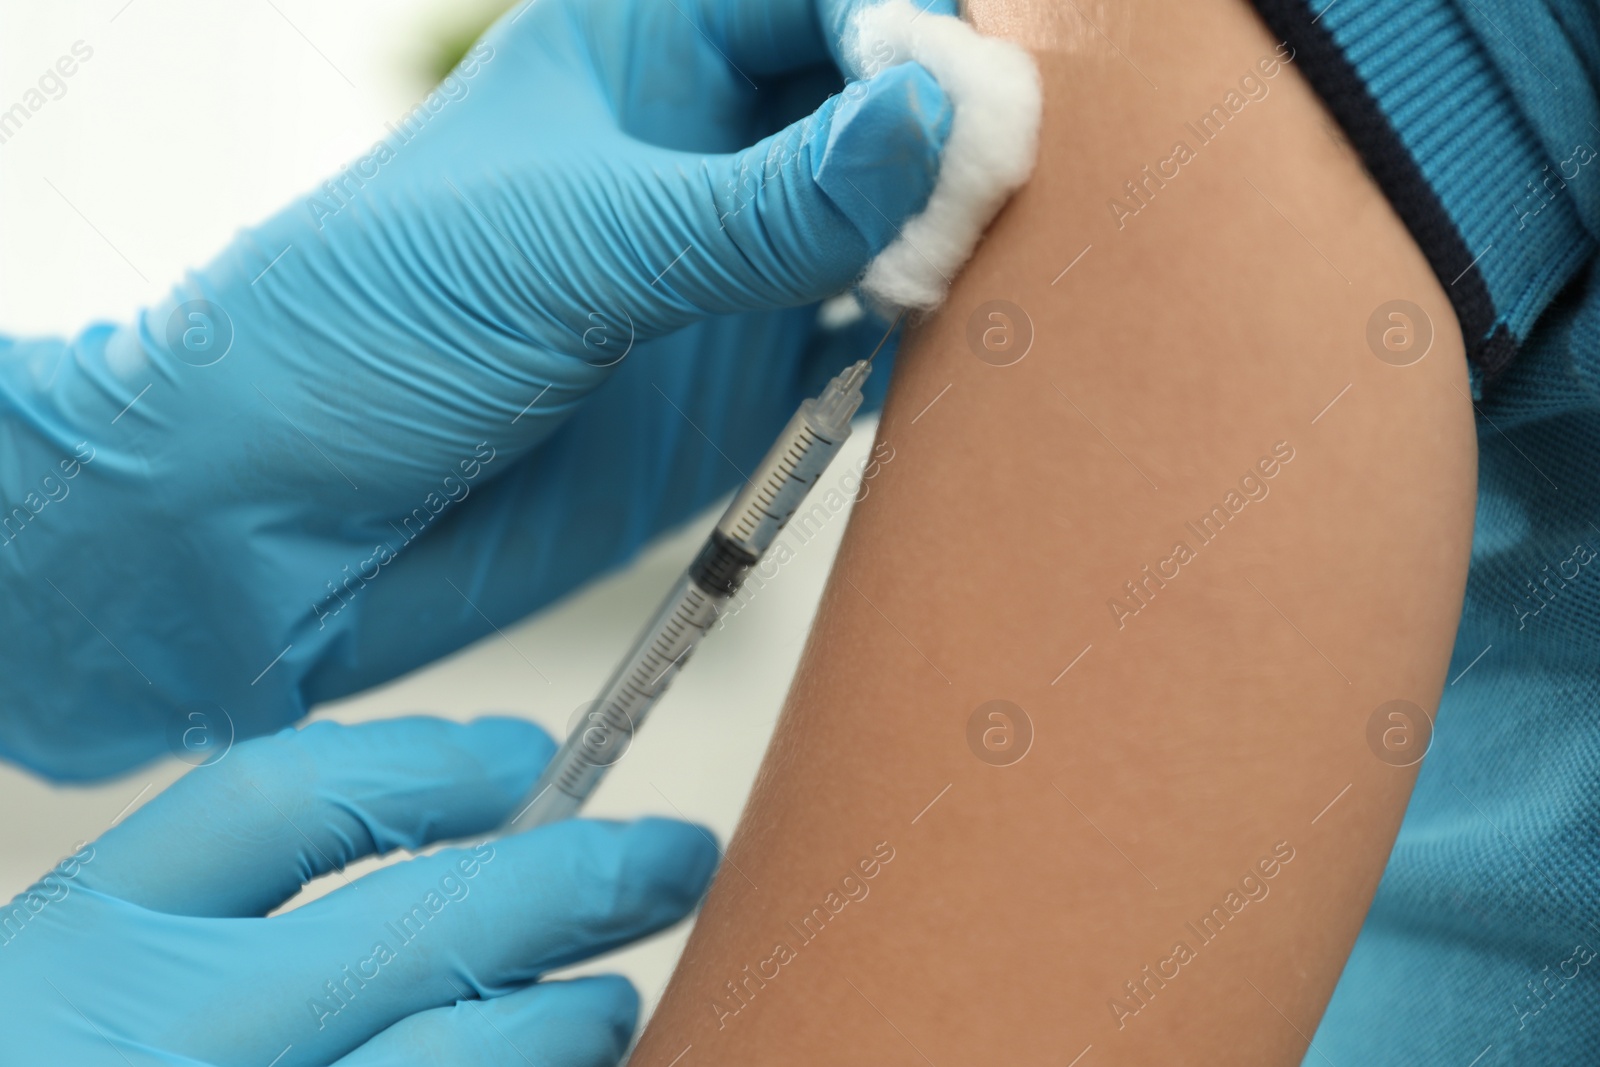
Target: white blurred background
193, 118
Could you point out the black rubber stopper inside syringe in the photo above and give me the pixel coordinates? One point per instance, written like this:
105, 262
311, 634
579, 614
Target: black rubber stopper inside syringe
721, 565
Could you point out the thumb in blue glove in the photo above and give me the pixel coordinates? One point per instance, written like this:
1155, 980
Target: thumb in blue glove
150, 946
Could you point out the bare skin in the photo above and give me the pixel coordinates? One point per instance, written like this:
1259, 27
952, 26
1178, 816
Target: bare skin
1204, 757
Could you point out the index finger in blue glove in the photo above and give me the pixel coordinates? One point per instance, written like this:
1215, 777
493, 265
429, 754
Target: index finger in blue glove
241, 836
788, 221
808, 205
481, 922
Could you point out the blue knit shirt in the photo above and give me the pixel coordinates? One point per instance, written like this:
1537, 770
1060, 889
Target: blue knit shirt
1480, 120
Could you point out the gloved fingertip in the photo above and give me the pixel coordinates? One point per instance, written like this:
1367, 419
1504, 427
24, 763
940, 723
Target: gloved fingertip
603, 1001
880, 161
512, 751
621, 1004
676, 860
574, 1022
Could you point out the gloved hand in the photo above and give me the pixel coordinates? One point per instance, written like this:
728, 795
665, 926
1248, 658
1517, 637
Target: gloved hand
150, 946
349, 445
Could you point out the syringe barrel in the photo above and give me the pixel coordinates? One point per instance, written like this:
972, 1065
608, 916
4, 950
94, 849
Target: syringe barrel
780, 484
746, 530
602, 737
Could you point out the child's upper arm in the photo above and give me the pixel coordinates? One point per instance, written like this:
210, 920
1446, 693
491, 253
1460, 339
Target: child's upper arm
1196, 537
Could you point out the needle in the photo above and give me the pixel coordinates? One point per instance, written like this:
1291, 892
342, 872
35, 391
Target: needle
886, 335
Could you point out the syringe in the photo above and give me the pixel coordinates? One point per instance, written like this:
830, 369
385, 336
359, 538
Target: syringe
747, 529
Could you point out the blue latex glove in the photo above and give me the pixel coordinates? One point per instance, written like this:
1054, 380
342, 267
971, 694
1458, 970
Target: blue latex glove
349, 445
150, 946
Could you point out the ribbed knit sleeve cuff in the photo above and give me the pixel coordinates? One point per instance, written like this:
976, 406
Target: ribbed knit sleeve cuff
1440, 132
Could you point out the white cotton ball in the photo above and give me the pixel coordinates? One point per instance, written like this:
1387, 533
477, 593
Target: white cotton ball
994, 91
840, 311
